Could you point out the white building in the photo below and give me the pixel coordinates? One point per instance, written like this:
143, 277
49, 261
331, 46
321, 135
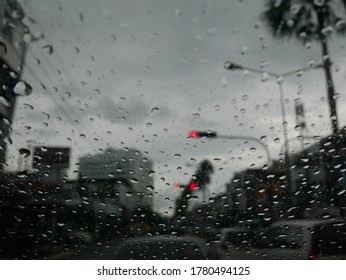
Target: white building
126, 173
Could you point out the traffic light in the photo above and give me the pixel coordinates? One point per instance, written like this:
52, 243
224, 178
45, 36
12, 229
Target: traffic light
200, 134
193, 186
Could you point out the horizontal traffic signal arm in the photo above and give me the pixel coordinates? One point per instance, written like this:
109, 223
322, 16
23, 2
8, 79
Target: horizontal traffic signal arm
200, 134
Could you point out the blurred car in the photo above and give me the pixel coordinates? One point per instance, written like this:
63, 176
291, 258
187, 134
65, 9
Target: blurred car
297, 239
162, 248
233, 238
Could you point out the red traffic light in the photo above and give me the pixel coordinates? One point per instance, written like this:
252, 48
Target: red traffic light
193, 186
193, 134
199, 134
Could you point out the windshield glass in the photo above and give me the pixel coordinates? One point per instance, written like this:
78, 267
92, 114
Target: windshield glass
181, 119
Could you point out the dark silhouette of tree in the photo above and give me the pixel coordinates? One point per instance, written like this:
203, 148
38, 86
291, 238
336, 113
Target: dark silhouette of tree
310, 20
344, 3
199, 180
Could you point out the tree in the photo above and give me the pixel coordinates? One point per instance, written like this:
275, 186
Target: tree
310, 20
199, 180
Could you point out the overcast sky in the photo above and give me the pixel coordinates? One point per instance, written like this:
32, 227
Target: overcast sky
142, 74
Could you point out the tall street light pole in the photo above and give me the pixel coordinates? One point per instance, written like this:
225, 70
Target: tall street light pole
279, 79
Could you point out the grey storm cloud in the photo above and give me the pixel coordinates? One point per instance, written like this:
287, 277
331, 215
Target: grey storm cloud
131, 112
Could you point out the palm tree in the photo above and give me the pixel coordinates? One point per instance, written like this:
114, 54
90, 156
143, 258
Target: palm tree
310, 20
199, 180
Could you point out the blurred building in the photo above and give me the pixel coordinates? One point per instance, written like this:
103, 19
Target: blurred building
319, 176
317, 189
125, 174
260, 191
51, 162
12, 50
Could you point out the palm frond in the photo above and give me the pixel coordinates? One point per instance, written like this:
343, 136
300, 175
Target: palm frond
299, 18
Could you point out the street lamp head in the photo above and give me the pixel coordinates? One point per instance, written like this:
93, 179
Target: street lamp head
232, 66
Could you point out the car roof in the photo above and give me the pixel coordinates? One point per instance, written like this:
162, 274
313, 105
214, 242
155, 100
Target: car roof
165, 238
307, 223
234, 229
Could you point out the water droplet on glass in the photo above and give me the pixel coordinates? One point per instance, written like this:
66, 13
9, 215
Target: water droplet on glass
279, 80
113, 38
327, 30
340, 24
49, 48
134, 180
24, 152
131, 39
341, 192
295, 8
224, 82
264, 77
211, 31
290, 23
277, 3
300, 73
244, 50
154, 111
28, 106
319, 3
22, 88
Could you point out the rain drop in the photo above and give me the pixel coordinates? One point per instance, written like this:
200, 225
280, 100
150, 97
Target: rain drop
22, 88
28, 106
134, 180
319, 3
264, 77
24, 152
49, 48
154, 111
